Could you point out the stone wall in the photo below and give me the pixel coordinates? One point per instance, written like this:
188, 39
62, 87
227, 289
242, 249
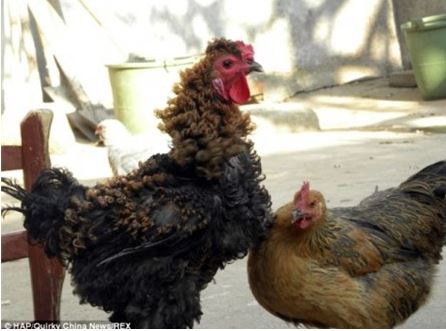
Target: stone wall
302, 44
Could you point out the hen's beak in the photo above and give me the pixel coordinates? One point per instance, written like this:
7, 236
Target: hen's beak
297, 215
254, 66
98, 134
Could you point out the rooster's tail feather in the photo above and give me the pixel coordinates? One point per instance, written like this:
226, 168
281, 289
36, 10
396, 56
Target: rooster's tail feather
44, 206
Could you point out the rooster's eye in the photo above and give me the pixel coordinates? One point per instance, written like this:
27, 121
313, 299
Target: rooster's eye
312, 204
227, 64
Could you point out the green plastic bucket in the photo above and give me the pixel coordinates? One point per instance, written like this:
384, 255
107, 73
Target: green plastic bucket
426, 41
139, 88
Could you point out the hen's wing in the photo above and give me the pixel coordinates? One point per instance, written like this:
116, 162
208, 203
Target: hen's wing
391, 231
349, 247
405, 222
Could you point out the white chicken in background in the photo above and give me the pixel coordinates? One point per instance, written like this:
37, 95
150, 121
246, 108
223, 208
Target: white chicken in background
125, 150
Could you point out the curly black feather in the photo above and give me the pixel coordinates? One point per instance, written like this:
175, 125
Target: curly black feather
44, 207
143, 246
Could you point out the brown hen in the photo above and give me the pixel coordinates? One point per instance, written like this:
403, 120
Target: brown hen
368, 266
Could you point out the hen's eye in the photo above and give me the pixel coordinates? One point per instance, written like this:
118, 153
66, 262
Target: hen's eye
249, 61
312, 204
227, 64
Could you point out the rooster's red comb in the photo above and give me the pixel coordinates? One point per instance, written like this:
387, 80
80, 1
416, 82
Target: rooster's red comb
246, 49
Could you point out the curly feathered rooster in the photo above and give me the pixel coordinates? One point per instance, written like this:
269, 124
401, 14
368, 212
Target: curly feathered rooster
144, 245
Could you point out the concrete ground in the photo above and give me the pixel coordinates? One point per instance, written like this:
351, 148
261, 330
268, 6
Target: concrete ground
372, 136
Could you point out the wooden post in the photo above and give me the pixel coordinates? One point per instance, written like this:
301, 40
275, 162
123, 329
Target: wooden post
47, 275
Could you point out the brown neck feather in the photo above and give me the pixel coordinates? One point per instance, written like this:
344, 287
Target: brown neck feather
309, 241
205, 130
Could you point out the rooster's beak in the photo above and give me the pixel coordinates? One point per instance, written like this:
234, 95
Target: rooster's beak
254, 66
297, 215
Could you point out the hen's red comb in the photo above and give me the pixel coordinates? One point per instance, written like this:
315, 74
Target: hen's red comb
301, 196
246, 49
305, 187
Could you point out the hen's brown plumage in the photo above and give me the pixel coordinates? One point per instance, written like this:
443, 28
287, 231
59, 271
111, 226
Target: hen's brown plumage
369, 266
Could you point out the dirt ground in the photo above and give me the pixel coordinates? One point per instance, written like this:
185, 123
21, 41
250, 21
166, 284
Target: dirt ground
367, 141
